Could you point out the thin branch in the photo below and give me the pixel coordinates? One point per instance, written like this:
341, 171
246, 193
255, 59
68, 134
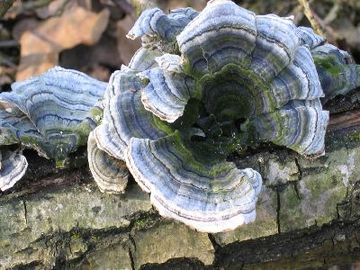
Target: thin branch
331, 34
310, 16
35, 4
6, 60
344, 120
124, 5
8, 43
333, 13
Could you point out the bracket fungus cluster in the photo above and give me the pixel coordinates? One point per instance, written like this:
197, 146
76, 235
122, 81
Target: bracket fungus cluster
52, 113
202, 87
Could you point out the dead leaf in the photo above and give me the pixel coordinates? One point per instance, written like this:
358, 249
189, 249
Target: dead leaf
24, 25
52, 9
40, 46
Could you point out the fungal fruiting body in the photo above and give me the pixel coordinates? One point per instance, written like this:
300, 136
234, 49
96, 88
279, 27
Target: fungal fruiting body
205, 85
52, 113
110, 174
13, 166
202, 87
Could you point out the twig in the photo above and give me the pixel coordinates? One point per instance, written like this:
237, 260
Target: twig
298, 14
310, 16
4, 6
333, 13
344, 120
124, 5
35, 4
8, 43
331, 34
6, 60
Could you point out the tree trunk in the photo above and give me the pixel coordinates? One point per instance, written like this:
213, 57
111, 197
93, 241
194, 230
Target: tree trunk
307, 217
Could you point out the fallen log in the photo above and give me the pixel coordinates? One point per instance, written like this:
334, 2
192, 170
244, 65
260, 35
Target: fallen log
307, 217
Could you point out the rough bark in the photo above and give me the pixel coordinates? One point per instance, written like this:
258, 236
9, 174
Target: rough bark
307, 217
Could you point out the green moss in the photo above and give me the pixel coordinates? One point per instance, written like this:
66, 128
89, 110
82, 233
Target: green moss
8, 137
140, 223
183, 149
200, 156
75, 234
96, 114
82, 131
189, 70
328, 63
29, 140
291, 200
330, 180
162, 125
354, 136
291, 216
60, 164
189, 117
144, 222
320, 194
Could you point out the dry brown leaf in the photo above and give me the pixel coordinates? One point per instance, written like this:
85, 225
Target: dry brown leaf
40, 46
54, 8
24, 25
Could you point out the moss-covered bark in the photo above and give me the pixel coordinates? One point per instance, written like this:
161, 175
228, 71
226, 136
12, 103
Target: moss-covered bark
307, 213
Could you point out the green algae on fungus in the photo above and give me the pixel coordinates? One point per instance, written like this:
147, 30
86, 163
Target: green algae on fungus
52, 113
337, 71
204, 86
